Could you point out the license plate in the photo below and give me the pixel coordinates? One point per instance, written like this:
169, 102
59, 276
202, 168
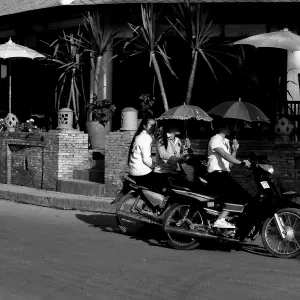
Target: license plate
265, 185
210, 204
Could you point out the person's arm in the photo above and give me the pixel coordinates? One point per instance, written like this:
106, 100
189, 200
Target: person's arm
164, 154
146, 153
233, 154
230, 158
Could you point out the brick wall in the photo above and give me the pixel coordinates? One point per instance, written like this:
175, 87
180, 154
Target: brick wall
285, 157
39, 160
116, 153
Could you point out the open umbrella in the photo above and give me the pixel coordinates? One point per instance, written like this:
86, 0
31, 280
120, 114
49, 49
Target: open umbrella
283, 39
13, 50
239, 110
185, 112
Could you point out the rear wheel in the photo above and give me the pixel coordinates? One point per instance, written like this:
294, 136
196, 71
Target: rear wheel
175, 217
124, 205
289, 246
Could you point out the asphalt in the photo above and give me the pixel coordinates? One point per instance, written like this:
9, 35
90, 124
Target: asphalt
57, 200
55, 254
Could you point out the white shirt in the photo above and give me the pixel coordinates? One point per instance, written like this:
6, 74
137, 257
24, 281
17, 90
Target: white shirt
140, 158
215, 161
166, 158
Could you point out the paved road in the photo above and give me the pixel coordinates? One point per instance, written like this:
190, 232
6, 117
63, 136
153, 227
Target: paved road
52, 254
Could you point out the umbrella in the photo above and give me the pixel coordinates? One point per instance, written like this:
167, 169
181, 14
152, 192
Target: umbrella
283, 39
239, 110
185, 112
13, 50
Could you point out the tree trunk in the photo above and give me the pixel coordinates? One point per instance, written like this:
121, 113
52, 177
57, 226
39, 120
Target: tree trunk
97, 76
192, 78
160, 82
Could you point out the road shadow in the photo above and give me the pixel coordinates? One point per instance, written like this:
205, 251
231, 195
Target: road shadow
154, 236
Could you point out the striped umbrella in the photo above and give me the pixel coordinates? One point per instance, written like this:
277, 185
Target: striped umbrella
239, 110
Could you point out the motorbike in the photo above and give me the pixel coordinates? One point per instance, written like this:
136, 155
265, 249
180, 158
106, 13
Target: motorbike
187, 214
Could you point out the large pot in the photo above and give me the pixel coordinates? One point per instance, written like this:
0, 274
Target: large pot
97, 133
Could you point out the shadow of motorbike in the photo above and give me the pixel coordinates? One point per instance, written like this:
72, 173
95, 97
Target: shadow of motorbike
154, 236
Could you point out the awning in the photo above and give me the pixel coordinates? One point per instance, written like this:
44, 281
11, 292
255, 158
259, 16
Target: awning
10, 7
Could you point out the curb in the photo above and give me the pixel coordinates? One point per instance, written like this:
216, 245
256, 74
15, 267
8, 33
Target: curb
55, 199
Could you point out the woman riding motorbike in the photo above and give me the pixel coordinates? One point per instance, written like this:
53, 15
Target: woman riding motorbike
140, 162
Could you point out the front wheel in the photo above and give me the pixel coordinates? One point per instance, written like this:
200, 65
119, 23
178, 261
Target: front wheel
175, 217
289, 246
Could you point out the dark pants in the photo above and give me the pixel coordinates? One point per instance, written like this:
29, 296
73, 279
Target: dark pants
229, 191
153, 181
158, 182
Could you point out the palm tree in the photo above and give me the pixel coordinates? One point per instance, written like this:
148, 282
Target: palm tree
100, 40
147, 39
191, 25
68, 52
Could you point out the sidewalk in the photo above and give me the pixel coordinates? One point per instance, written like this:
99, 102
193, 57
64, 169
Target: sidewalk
34, 196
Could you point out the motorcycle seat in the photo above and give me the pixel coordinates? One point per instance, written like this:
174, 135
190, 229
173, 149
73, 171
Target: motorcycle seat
134, 184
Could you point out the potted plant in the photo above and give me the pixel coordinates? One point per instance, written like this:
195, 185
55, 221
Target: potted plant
101, 112
100, 43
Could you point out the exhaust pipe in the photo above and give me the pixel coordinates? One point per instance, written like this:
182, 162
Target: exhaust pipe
137, 218
196, 234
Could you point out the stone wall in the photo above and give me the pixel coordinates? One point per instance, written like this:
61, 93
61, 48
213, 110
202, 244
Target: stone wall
285, 157
39, 160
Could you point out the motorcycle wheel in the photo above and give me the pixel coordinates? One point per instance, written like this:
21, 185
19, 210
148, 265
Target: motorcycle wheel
288, 247
127, 226
176, 214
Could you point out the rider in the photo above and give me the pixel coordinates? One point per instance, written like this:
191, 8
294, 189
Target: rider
221, 156
140, 162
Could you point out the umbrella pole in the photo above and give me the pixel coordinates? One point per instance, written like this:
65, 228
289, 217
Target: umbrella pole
9, 86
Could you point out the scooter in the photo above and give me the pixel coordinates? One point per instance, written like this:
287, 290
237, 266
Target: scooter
187, 215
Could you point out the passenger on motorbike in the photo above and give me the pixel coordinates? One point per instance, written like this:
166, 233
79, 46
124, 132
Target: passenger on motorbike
168, 152
221, 156
140, 162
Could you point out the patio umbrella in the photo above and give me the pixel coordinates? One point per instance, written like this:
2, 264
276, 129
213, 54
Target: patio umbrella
185, 112
239, 110
283, 39
12, 50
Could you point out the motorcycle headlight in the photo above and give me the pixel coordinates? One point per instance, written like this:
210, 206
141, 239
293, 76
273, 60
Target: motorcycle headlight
267, 168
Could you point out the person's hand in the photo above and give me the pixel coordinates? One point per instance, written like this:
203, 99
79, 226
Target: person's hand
246, 163
235, 145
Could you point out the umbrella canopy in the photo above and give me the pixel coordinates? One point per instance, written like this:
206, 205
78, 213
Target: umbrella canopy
239, 110
283, 39
185, 112
13, 50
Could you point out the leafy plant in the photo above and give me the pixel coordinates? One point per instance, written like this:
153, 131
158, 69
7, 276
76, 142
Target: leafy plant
147, 40
68, 53
101, 110
100, 40
146, 103
191, 25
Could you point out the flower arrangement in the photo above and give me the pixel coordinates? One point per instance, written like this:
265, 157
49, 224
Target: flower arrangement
101, 110
29, 126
